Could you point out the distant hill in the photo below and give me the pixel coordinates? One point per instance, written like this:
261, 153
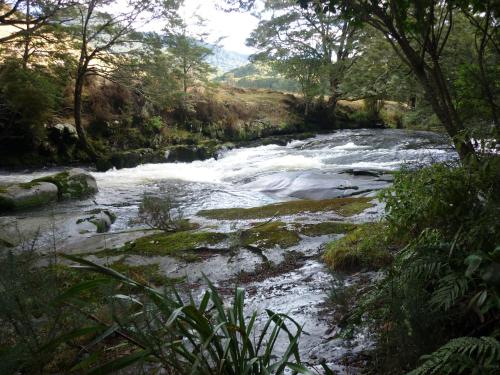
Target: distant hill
225, 60
257, 76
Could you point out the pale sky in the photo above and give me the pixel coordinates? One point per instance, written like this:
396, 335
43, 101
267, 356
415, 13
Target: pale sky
235, 27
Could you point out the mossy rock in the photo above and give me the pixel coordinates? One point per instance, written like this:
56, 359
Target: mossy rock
270, 235
27, 195
365, 247
188, 153
132, 158
179, 244
100, 219
342, 206
72, 184
321, 229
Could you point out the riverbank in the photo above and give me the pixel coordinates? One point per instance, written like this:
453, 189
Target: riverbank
209, 121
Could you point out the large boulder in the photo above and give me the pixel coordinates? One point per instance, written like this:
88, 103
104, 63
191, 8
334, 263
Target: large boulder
27, 195
72, 184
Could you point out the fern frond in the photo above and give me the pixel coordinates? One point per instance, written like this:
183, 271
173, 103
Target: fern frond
463, 355
422, 269
451, 288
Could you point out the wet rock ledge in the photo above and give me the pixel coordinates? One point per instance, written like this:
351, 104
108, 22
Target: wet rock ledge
71, 184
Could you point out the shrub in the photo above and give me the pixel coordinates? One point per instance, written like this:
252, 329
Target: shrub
161, 213
35, 330
446, 198
154, 124
442, 291
27, 100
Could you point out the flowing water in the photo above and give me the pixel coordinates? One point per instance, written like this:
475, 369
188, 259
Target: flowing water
311, 168
344, 163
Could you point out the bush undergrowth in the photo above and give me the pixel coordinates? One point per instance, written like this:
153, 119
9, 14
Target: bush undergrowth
439, 305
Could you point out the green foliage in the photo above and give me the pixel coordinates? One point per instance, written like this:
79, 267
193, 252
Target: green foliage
258, 76
449, 199
154, 124
445, 280
203, 337
463, 355
27, 100
33, 326
189, 55
306, 44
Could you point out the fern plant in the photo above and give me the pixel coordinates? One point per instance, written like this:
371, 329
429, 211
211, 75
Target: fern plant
445, 283
463, 355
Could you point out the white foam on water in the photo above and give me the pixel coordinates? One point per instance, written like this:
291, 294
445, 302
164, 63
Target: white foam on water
238, 163
350, 146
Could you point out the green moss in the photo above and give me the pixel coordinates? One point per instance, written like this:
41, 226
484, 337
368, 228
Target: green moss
320, 229
101, 226
173, 244
68, 187
270, 235
60, 180
364, 247
341, 206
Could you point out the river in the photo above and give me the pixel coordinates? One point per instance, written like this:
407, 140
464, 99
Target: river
340, 164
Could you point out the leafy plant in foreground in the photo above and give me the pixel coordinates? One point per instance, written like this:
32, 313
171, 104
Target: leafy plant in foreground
190, 337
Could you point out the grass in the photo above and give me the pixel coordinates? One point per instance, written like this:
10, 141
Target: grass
179, 244
342, 206
363, 248
270, 235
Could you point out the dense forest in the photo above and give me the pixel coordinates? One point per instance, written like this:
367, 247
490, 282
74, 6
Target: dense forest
365, 130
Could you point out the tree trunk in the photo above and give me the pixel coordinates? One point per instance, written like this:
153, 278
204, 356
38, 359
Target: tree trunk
332, 102
27, 37
437, 92
442, 104
488, 92
77, 112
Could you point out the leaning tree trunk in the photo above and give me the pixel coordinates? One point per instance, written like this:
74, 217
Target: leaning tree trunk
437, 92
444, 107
77, 112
